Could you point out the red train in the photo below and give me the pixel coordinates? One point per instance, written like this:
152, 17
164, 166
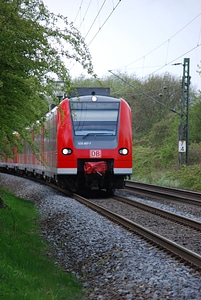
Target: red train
86, 143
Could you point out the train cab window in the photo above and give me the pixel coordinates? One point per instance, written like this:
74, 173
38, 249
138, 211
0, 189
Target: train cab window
100, 119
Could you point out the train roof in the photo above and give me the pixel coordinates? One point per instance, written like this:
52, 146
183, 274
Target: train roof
84, 91
94, 98
86, 98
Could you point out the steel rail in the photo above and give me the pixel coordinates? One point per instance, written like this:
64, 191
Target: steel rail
188, 255
180, 251
161, 212
164, 192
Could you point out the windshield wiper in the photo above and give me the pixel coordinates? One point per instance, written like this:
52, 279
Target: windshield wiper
87, 134
98, 133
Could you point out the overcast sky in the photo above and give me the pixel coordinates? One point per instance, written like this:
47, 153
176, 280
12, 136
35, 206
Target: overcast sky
138, 37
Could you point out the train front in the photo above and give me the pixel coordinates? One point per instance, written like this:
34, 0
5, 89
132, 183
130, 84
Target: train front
102, 142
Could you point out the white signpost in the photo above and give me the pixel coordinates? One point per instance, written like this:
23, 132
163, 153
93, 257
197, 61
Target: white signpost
182, 146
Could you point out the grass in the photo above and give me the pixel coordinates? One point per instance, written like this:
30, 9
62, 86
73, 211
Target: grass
185, 178
26, 272
148, 167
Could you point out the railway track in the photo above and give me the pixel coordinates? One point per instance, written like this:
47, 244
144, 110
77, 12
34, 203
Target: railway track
160, 212
167, 244
144, 190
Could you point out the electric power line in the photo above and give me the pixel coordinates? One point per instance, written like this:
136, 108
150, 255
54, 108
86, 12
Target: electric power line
168, 42
143, 93
95, 18
170, 62
83, 19
97, 15
79, 9
104, 22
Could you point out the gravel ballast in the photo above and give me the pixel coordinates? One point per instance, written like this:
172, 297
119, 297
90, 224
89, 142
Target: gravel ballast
111, 262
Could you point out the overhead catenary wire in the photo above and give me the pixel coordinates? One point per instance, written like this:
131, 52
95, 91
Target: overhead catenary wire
167, 59
95, 18
170, 61
93, 23
78, 12
163, 43
114, 7
143, 93
83, 19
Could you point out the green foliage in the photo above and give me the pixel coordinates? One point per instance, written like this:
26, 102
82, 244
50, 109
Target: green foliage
26, 272
161, 131
169, 146
189, 177
142, 164
194, 157
195, 121
156, 154
34, 48
161, 167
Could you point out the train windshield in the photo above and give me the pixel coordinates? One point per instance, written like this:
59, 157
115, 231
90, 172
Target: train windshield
99, 119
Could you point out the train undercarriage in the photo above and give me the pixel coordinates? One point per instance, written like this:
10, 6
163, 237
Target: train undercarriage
93, 175
83, 182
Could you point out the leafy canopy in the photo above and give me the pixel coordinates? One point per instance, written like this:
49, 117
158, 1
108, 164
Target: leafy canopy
35, 46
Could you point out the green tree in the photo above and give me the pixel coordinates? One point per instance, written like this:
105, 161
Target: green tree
195, 121
35, 46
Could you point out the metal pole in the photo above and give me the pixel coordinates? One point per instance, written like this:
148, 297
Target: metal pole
183, 128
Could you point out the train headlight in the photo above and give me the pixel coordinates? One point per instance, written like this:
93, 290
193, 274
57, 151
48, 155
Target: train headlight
123, 151
67, 151
94, 98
